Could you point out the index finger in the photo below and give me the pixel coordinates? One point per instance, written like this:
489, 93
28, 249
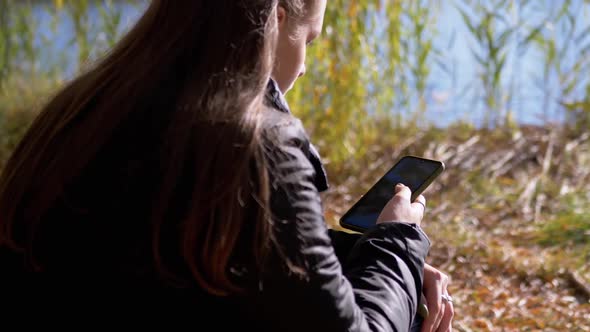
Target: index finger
403, 191
420, 199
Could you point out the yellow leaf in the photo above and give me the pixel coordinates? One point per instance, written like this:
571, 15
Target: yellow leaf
59, 3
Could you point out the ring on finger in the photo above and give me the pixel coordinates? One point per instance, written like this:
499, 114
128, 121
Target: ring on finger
423, 205
447, 298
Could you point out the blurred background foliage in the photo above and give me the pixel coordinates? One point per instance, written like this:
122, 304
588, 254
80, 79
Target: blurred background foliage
498, 89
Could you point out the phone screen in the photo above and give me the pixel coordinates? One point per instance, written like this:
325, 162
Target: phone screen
416, 173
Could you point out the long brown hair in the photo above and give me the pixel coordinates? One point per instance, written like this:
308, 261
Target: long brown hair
195, 78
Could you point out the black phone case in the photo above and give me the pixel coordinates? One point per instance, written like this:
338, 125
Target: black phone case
415, 194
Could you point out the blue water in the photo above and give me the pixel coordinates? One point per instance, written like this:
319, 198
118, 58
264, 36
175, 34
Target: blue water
453, 88
534, 100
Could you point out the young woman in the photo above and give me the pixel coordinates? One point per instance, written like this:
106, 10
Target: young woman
173, 176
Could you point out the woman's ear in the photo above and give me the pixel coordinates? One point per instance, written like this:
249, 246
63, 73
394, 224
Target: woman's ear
281, 16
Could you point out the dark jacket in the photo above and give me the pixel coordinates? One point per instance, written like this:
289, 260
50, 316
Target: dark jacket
367, 283
372, 281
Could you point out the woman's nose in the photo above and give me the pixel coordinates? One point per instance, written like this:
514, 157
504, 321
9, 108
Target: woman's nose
302, 72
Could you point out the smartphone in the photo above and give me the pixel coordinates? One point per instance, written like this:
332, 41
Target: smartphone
415, 172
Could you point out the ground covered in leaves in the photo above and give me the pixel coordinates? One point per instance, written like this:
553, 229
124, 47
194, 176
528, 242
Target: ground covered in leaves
509, 221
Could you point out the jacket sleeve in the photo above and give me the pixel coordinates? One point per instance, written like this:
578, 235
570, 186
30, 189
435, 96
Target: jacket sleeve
343, 243
380, 289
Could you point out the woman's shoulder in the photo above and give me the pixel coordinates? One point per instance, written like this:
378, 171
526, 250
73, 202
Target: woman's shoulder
285, 137
280, 128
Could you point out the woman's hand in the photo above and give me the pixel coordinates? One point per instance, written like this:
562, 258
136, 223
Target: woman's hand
440, 311
399, 208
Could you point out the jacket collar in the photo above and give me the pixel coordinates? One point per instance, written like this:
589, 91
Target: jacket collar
277, 100
276, 97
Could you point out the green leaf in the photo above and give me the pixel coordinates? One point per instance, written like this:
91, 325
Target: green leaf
468, 21
503, 38
498, 71
532, 36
